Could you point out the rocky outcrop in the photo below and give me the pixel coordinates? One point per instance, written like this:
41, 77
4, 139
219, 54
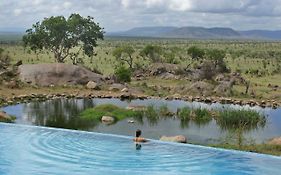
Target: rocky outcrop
201, 87
108, 120
92, 85
4, 117
275, 141
178, 139
136, 108
57, 74
224, 88
117, 87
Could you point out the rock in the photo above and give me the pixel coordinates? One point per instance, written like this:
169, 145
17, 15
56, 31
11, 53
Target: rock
107, 120
136, 108
131, 121
92, 85
117, 87
275, 141
4, 117
224, 88
200, 87
158, 69
12, 84
178, 139
125, 90
167, 75
176, 96
57, 74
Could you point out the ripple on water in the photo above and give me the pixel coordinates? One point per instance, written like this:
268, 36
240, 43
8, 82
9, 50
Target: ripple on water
45, 151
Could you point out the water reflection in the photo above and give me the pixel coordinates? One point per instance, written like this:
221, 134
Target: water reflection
59, 113
64, 113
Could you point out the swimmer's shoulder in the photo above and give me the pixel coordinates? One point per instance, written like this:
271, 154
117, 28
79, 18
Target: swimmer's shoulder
140, 139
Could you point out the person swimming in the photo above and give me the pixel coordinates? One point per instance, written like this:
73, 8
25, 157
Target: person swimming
138, 137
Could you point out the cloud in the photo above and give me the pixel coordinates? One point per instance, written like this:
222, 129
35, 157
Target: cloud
124, 14
17, 12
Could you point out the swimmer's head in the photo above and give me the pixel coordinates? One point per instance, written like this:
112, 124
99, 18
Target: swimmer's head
138, 133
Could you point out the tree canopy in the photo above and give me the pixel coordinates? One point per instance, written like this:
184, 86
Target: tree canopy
61, 36
152, 52
125, 54
196, 53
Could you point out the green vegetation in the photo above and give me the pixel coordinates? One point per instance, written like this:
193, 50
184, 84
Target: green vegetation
246, 119
118, 113
196, 53
227, 119
61, 36
123, 74
11, 119
258, 63
257, 148
152, 52
125, 54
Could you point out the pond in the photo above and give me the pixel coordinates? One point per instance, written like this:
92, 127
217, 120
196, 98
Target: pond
64, 113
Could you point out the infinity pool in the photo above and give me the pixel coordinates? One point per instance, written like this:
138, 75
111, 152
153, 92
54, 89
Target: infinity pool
38, 150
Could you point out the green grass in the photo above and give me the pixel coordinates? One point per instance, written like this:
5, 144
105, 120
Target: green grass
184, 113
241, 56
118, 113
257, 148
6, 120
228, 119
245, 119
202, 116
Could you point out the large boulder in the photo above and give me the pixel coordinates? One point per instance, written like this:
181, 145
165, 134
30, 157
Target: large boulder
136, 108
108, 120
158, 69
224, 88
201, 88
57, 74
117, 87
92, 85
4, 117
275, 141
178, 139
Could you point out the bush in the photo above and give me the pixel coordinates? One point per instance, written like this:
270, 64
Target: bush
123, 74
5, 60
246, 119
97, 112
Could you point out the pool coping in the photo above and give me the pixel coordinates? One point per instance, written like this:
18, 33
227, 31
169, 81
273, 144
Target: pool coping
151, 140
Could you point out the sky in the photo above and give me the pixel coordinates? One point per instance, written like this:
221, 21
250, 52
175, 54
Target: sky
119, 15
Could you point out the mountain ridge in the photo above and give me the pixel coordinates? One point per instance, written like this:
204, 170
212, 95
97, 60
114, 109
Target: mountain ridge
194, 32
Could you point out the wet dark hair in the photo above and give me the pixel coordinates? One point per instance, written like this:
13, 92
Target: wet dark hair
138, 133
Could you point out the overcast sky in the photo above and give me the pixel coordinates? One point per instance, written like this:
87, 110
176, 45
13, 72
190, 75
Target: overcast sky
117, 15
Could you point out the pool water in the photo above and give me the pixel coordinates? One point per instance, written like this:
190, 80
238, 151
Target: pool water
38, 150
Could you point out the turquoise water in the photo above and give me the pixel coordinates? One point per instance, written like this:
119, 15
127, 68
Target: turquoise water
36, 150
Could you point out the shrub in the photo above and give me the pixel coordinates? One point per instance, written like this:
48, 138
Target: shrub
202, 116
184, 113
97, 112
245, 119
123, 74
152, 115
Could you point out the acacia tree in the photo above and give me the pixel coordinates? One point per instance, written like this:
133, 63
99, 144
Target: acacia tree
217, 57
196, 53
125, 54
61, 36
152, 52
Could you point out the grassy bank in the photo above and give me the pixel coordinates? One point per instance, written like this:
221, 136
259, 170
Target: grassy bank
258, 62
118, 113
257, 148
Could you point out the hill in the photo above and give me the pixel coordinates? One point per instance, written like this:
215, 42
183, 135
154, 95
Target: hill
199, 33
